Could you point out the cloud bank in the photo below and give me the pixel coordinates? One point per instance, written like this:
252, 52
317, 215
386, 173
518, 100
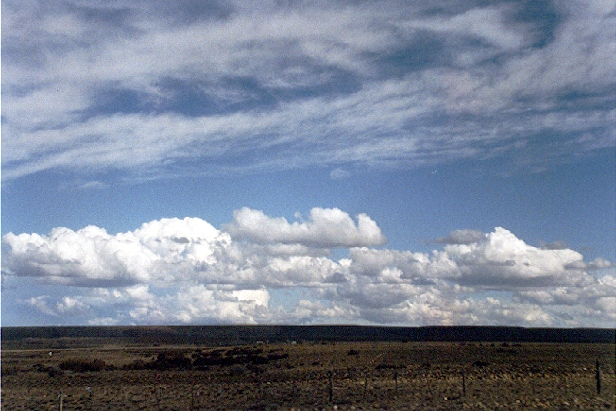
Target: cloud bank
151, 90
187, 271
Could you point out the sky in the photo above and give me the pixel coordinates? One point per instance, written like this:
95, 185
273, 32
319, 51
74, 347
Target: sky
309, 162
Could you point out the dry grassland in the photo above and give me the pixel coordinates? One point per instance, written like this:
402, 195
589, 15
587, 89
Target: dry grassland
311, 376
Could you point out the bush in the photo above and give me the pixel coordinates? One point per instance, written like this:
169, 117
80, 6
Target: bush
384, 366
136, 365
82, 365
171, 360
9, 370
54, 372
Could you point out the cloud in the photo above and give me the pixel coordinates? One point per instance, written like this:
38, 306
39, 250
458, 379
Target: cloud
556, 245
497, 259
153, 89
502, 258
199, 302
339, 174
143, 304
598, 263
405, 264
327, 228
187, 271
92, 257
93, 185
66, 306
462, 237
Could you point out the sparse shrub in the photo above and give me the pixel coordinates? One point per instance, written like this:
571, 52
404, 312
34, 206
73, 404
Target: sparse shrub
353, 352
82, 365
255, 369
171, 360
387, 366
136, 365
39, 367
237, 370
236, 356
244, 351
54, 372
506, 351
9, 370
276, 357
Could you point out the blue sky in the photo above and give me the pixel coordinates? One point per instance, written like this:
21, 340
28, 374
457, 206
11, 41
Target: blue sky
309, 162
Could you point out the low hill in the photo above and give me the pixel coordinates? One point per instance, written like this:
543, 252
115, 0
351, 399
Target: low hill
65, 337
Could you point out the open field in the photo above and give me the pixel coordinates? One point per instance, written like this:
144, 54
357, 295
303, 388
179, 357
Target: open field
311, 375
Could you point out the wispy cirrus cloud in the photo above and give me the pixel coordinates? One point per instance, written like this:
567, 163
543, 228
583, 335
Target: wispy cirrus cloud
155, 89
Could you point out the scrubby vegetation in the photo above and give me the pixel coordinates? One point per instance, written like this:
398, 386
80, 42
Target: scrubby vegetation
347, 375
204, 359
83, 365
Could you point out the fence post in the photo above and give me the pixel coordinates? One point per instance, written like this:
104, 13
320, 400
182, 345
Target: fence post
89, 401
330, 374
261, 390
192, 397
61, 399
157, 390
598, 376
396, 380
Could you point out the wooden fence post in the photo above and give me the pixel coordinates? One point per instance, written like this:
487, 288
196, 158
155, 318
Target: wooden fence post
396, 380
90, 400
598, 376
192, 397
261, 390
330, 374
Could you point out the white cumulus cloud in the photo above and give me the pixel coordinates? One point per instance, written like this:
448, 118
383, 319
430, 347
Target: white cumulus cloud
502, 258
326, 228
157, 251
187, 271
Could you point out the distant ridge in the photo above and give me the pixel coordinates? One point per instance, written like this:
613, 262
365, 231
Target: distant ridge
249, 334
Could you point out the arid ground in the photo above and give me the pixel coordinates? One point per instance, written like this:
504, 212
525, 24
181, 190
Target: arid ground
309, 376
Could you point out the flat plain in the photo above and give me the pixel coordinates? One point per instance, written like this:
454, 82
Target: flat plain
309, 376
